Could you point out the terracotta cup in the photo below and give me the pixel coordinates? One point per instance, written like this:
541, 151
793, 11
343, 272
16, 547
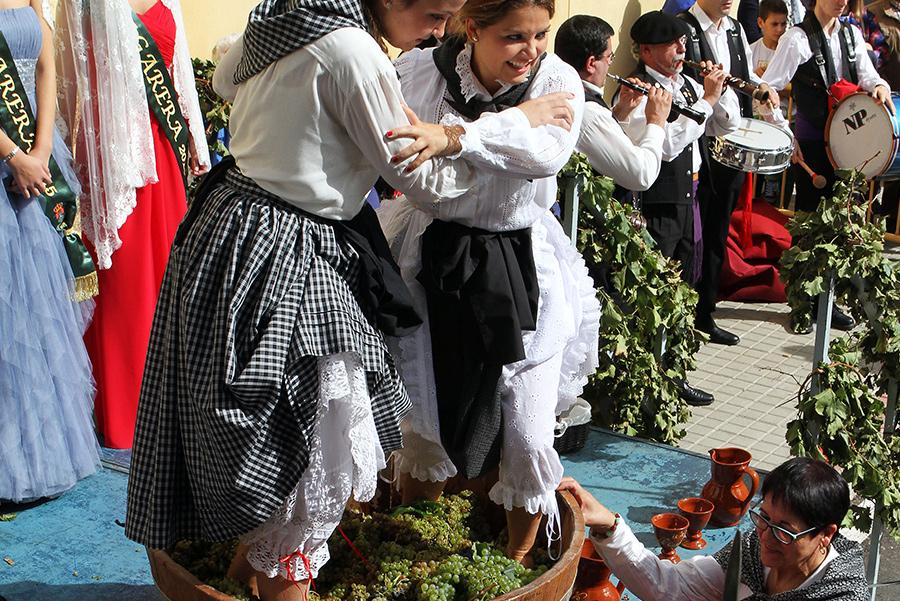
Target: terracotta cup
698, 511
670, 529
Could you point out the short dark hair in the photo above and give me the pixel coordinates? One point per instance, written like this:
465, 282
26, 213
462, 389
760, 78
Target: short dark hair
581, 37
810, 489
772, 7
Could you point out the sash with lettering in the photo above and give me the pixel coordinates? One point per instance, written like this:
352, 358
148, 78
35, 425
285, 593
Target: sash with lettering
162, 98
59, 202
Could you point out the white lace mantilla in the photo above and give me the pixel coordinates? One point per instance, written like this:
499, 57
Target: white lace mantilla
26, 68
102, 98
345, 457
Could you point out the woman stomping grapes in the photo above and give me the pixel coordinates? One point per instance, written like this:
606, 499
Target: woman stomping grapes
512, 316
269, 395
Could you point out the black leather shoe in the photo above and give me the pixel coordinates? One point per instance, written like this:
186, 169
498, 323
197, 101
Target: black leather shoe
716, 334
840, 320
694, 396
796, 328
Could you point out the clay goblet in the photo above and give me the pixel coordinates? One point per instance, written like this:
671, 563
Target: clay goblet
698, 511
670, 529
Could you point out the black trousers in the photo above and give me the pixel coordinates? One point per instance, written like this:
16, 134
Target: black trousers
672, 227
718, 193
808, 196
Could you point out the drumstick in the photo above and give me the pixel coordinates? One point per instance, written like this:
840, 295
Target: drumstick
818, 181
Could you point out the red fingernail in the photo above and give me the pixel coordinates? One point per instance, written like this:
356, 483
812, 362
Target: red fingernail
390, 134
394, 159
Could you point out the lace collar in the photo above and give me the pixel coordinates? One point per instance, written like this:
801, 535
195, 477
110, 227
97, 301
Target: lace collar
469, 85
465, 94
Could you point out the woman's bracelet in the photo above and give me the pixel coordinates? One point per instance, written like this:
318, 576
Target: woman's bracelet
606, 533
453, 133
11, 154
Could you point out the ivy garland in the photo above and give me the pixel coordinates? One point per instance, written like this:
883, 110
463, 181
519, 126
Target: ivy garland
633, 391
841, 418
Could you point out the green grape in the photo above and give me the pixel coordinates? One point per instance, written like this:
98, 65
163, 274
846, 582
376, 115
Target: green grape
430, 551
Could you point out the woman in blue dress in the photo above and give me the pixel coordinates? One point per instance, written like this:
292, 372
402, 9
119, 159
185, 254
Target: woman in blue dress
47, 440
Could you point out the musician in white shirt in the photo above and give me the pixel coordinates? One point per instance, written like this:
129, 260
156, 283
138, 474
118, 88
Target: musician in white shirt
715, 36
670, 203
843, 56
586, 42
794, 62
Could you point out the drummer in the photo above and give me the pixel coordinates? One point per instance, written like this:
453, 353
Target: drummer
812, 57
715, 36
841, 50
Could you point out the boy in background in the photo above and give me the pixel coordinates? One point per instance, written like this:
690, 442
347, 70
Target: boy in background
773, 22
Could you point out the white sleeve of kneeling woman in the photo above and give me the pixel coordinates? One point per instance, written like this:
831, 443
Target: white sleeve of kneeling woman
653, 579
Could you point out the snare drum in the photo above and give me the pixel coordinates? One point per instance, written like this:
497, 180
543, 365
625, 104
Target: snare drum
756, 147
862, 134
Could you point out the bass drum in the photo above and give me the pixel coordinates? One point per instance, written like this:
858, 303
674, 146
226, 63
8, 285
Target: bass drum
755, 147
862, 134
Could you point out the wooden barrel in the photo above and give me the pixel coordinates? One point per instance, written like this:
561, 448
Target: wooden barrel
177, 584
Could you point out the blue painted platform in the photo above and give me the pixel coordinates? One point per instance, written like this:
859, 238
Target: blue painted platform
638, 479
72, 549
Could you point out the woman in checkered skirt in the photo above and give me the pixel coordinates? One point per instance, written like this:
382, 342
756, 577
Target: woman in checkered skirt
269, 396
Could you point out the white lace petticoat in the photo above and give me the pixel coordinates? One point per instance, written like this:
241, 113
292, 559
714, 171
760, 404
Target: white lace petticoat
345, 457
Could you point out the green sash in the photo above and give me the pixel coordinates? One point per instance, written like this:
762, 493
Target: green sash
162, 98
59, 202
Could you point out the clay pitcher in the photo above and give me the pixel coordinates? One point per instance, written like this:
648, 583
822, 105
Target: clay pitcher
726, 489
592, 582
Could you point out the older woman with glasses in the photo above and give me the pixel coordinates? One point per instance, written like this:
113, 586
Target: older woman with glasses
795, 553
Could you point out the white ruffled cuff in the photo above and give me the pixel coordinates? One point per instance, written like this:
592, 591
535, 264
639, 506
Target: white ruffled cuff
421, 458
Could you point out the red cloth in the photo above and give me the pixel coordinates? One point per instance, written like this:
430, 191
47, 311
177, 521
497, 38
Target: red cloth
120, 332
840, 90
750, 273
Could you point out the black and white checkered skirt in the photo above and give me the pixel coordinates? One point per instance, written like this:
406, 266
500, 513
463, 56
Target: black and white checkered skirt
254, 292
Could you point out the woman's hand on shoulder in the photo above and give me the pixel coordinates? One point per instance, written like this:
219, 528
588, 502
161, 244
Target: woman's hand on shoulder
550, 109
31, 173
429, 140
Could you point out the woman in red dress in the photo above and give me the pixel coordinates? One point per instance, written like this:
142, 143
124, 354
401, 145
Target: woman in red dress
137, 222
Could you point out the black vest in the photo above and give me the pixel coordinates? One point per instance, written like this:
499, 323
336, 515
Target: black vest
698, 49
675, 184
591, 96
813, 78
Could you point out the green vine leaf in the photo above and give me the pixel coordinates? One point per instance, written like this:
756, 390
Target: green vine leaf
633, 391
844, 422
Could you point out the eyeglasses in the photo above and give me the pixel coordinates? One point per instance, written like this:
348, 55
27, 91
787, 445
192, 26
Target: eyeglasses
782, 535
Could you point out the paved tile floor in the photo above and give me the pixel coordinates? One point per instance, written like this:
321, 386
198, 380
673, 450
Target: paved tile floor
755, 382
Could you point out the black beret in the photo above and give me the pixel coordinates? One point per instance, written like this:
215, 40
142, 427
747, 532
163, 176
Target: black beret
657, 27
